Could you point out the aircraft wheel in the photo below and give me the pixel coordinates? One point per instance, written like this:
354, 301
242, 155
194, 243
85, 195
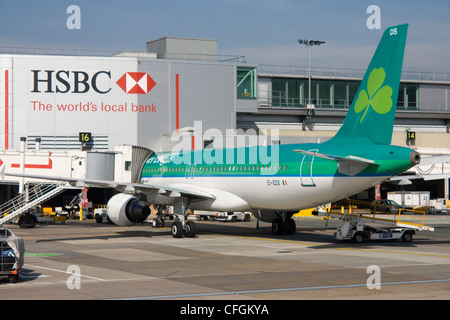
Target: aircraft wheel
277, 226
191, 229
177, 229
289, 227
158, 223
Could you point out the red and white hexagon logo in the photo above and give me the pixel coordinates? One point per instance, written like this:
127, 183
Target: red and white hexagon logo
136, 82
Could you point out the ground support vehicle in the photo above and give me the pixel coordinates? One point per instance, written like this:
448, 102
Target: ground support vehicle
223, 216
12, 250
359, 227
100, 215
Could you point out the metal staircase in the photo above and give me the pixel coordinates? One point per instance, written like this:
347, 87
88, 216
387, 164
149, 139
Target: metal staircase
36, 195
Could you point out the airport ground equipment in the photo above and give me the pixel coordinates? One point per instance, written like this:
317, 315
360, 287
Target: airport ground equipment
23, 203
12, 250
101, 214
223, 216
361, 226
233, 216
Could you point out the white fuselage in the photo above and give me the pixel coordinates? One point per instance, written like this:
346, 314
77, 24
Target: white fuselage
266, 192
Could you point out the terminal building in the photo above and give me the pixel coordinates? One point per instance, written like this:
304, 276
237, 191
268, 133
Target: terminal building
83, 114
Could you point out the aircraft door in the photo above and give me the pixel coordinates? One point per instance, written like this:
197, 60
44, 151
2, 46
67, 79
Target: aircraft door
190, 171
306, 170
193, 168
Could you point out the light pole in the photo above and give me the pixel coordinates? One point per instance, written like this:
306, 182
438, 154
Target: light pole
309, 44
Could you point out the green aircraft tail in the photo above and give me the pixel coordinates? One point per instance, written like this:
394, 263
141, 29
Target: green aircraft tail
372, 113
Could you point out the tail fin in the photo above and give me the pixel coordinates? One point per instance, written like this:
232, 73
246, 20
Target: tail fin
372, 112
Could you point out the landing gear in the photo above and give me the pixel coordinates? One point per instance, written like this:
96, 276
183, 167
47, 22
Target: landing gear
289, 226
283, 225
177, 229
191, 229
181, 227
187, 229
277, 226
158, 223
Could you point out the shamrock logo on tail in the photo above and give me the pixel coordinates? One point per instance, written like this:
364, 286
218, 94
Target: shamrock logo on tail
376, 96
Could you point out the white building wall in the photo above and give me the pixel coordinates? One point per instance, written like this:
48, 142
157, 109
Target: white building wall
55, 97
39, 109
5, 101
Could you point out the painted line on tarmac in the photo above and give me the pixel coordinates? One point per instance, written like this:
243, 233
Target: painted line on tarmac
349, 249
66, 272
227, 293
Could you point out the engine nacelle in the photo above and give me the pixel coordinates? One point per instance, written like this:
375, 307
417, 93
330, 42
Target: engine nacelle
125, 210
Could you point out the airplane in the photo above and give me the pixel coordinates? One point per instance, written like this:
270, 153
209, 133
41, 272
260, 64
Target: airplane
358, 157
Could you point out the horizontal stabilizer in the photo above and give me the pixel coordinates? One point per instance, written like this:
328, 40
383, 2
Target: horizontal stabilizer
349, 165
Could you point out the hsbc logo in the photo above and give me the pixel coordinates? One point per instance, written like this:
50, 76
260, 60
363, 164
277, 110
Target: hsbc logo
136, 82
66, 81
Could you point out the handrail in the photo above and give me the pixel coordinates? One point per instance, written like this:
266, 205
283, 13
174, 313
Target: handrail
36, 195
351, 73
396, 218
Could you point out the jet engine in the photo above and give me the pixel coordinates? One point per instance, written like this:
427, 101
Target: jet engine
125, 210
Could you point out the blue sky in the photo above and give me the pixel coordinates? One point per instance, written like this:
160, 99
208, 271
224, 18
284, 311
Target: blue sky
264, 31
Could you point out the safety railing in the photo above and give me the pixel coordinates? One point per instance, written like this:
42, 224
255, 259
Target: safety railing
382, 213
23, 202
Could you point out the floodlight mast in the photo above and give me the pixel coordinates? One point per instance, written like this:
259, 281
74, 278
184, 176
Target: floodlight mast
309, 43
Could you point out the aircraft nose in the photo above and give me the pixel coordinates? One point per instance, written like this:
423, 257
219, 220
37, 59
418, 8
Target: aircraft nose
414, 158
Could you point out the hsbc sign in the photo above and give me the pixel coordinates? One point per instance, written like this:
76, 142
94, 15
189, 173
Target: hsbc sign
66, 81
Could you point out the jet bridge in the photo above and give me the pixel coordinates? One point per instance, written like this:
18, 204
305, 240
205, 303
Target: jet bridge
124, 164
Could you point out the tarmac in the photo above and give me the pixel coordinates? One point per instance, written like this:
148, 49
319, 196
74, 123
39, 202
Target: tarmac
83, 260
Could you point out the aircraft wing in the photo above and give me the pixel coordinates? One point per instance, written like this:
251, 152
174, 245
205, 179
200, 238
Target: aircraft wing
349, 165
122, 186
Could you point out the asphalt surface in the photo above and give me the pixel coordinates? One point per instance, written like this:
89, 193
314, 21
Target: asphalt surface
227, 261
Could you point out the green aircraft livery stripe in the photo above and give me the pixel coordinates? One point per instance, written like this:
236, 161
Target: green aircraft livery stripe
389, 160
